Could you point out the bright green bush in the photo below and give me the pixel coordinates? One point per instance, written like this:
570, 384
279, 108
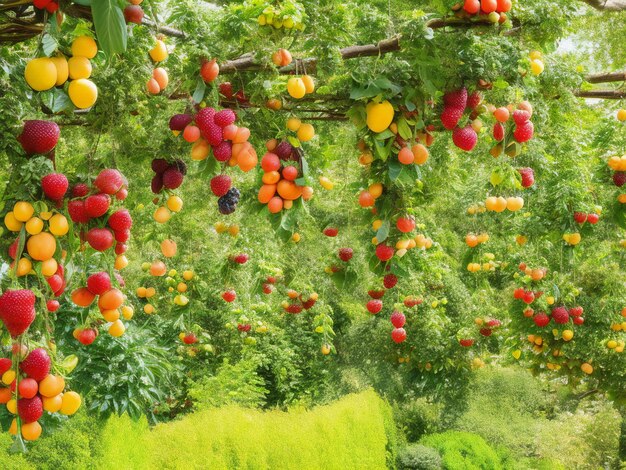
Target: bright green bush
418, 457
11, 461
463, 451
351, 433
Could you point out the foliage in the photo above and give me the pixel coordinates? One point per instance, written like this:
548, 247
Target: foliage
463, 450
418, 457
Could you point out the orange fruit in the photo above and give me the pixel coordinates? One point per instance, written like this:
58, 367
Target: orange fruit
41, 247
271, 177
111, 315
366, 199
153, 87
307, 193
405, 156
160, 75
51, 385
31, 431
275, 205
267, 192
296, 88
247, 160
191, 133
5, 395
157, 268
82, 297
168, 248
501, 114
420, 153
111, 299
52, 404
289, 190
70, 403
309, 83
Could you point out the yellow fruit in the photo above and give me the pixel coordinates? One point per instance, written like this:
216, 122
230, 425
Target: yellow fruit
12, 223
567, 335
326, 183
58, 225
536, 66
51, 386
23, 211
84, 46
293, 124
375, 190
79, 67
611, 344
148, 309
306, 132
325, 349
60, 63
52, 404
514, 203
121, 261
24, 266
621, 115
296, 88
159, 52
83, 93
174, 203
379, 116
31, 431
116, 330
141, 292
309, 83
70, 403
111, 315
150, 292
41, 74
49, 267
586, 368
12, 406
200, 150
233, 230
187, 275
534, 55
34, 225
8, 377
162, 215
127, 312
181, 287
295, 237
377, 224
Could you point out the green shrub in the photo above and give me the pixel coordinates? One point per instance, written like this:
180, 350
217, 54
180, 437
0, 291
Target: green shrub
418, 417
419, 457
11, 461
463, 451
123, 444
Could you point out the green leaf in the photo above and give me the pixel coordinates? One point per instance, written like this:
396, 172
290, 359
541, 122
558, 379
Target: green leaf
403, 129
108, 19
198, 93
395, 168
293, 141
49, 44
383, 232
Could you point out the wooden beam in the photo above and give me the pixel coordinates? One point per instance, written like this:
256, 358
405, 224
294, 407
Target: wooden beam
607, 5
606, 77
602, 94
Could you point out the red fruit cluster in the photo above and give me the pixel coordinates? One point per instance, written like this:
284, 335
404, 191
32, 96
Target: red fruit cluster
488, 326
582, 217
411, 301
241, 258
454, 105
191, 338
50, 5
39, 137
167, 175
485, 7
526, 296
398, 334
466, 342
527, 174
226, 90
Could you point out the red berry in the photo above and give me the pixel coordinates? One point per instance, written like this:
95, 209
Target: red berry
456, 99
529, 297
229, 296
52, 305
465, 138
384, 252
390, 280
30, 409
524, 132
376, 294
466, 342
80, 190
87, 336
99, 283
374, 306
97, 205
223, 151
120, 220
580, 217
109, 181
474, 100
528, 177
486, 331
520, 116
398, 335
133, 14
560, 315
498, 131
36, 365
226, 89
576, 311
39, 136
331, 232
100, 239
450, 117
398, 319
220, 184
406, 224
190, 338
541, 319
17, 310
345, 254
578, 320
224, 118
241, 258
54, 186
178, 122
593, 218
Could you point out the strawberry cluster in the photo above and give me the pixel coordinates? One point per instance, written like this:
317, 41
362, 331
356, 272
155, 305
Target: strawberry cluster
582, 217
298, 301
398, 334
513, 127
455, 103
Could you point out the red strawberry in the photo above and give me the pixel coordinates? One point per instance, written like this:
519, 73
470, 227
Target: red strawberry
224, 118
493, 323
178, 122
450, 117
30, 409
229, 295
120, 248
398, 335
80, 190
405, 224
529, 297
77, 212
100, 239
520, 116
172, 178
528, 177
97, 205
398, 319
485, 331
213, 134
99, 283
541, 319
87, 336
466, 343
376, 294
55, 282
52, 305
578, 320
220, 184
121, 194
580, 217
331, 231
122, 236
524, 132
284, 150
374, 306
593, 218
474, 100
5, 364
226, 89
157, 184
159, 165
560, 315
190, 338
411, 301
345, 254
390, 280
498, 131
204, 118
576, 311
271, 279
120, 220
17, 310
384, 252
37, 364
109, 181
464, 138
244, 327
241, 258
223, 151
308, 304
619, 178
456, 99
294, 308
39, 136
267, 288
518, 293
54, 186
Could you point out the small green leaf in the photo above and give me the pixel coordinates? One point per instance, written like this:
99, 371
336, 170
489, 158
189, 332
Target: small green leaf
383, 232
198, 94
49, 44
110, 24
